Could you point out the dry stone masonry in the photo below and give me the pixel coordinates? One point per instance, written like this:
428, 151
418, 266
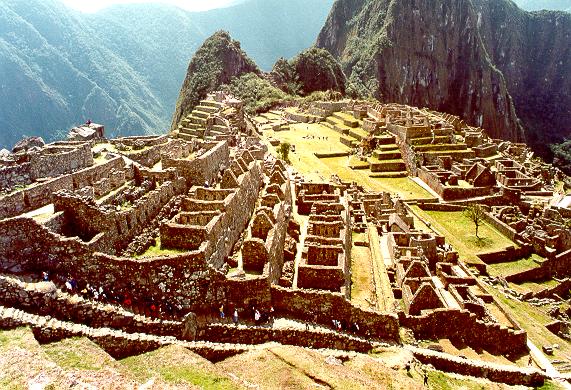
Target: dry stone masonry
140, 242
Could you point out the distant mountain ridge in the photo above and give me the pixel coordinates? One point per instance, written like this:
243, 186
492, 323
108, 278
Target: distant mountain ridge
537, 5
488, 61
124, 65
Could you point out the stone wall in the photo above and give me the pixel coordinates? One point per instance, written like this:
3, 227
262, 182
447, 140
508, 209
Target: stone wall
25, 245
224, 230
15, 175
322, 306
54, 161
86, 219
45, 299
451, 192
503, 228
461, 325
40, 195
507, 254
203, 168
221, 333
559, 265
510, 375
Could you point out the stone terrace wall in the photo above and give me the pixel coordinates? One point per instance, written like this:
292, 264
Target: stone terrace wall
220, 333
507, 254
305, 304
496, 373
87, 219
464, 326
451, 193
15, 175
44, 299
237, 214
503, 228
25, 245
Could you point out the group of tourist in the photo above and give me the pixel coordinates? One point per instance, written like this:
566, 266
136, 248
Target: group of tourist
148, 306
259, 316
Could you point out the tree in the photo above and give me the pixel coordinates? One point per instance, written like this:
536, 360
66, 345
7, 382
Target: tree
283, 151
476, 214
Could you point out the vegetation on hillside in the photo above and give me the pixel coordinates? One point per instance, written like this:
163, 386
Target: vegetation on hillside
257, 93
317, 70
562, 156
123, 66
219, 60
285, 76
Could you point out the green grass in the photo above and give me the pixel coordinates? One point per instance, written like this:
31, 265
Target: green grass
513, 267
533, 320
459, 231
156, 251
549, 385
535, 286
78, 353
175, 365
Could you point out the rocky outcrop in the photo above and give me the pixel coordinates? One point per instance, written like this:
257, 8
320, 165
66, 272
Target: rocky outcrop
27, 143
474, 58
317, 70
216, 62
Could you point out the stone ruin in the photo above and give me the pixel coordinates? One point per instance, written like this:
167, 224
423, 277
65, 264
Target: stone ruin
166, 230
218, 117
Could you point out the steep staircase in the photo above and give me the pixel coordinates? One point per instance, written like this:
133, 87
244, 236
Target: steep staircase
194, 125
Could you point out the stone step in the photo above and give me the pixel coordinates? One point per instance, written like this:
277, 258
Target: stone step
197, 120
211, 103
387, 155
429, 140
345, 120
200, 114
439, 147
385, 140
457, 155
208, 109
387, 165
186, 137
388, 175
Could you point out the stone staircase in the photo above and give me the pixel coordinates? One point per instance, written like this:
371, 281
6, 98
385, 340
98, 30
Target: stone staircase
440, 145
44, 298
387, 161
194, 124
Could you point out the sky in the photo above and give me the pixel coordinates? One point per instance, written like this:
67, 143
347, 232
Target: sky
191, 5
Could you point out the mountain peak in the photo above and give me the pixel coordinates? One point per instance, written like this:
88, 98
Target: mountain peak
216, 62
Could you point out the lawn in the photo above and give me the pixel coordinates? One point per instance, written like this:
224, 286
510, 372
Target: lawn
513, 267
327, 141
460, 233
362, 284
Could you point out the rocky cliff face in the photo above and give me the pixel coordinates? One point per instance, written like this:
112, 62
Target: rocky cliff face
533, 52
485, 60
219, 60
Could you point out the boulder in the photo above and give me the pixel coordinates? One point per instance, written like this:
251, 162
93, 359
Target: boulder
27, 143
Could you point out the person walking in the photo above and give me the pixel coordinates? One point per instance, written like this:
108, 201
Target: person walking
221, 312
235, 317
